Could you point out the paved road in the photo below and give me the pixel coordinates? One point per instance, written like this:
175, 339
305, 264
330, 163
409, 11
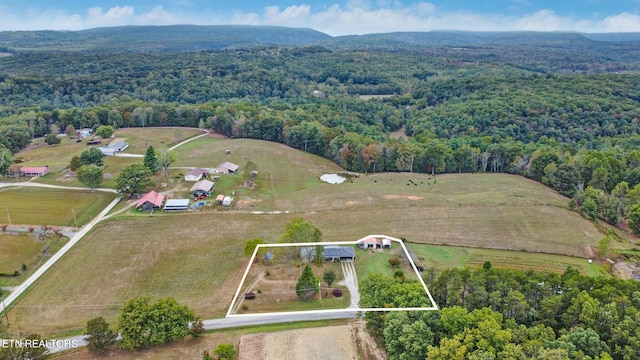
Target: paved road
231, 322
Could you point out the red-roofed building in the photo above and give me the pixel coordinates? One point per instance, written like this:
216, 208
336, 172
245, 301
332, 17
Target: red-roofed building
150, 201
34, 170
370, 242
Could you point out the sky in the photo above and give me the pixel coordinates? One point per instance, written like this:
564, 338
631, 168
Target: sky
334, 17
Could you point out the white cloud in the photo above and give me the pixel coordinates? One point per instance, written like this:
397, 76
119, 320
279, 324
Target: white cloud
356, 17
624, 22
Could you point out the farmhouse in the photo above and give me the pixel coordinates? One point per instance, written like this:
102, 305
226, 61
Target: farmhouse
176, 205
202, 187
150, 201
34, 170
196, 174
370, 242
338, 253
113, 148
329, 253
227, 168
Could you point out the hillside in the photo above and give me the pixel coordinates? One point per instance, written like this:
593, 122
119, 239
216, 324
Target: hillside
492, 211
145, 39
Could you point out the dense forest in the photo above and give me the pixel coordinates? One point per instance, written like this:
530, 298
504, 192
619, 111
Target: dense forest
506, 314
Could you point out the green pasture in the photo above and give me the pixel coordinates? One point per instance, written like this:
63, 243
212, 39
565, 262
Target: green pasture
57, 157
54, 207
16, 250
27, 249
141, 138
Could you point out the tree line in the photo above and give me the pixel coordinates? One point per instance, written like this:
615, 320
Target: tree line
506, 314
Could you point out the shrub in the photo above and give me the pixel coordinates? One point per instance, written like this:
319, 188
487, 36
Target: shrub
244, 307
394, 261
31, 229
337, 292
3, 227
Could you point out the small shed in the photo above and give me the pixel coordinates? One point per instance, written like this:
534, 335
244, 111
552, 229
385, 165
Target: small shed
34, 170
202, 187
196, 174
227, 168
386, 244
176, 205
150, 201
338, 253
227, 201
219, 199
370, 243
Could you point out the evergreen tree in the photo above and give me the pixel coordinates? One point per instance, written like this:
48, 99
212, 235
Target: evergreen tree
307, 286
150, 160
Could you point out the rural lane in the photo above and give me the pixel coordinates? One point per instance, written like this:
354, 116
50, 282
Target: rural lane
18, 290
231, 322
171, 148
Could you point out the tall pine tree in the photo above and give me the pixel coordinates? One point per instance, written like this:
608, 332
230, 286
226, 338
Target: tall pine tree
151, 161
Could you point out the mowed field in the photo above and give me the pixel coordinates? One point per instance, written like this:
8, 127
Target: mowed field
141, 138
16, 250
198, 257
52, 207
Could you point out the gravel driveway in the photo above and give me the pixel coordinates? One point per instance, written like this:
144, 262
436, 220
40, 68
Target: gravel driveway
351, 282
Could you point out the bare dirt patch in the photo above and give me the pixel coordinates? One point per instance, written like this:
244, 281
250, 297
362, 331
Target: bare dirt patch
401, 196
332, 342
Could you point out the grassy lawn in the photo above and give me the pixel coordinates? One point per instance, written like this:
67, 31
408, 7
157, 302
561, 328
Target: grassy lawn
141, 138
27, 249
443, 257
57, 156
123, 259
16, 250
40, 206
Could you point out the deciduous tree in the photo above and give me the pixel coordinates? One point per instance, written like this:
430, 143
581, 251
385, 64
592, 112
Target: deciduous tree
92, 156
105, 131
99, 335
53, 139
5, 160
166, 157
90, 175
329, 277
134, 179
143, 324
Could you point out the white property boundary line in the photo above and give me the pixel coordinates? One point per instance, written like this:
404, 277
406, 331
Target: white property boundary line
404, 248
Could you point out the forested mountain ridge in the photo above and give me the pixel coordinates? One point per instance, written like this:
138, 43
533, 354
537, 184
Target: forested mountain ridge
146, 39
